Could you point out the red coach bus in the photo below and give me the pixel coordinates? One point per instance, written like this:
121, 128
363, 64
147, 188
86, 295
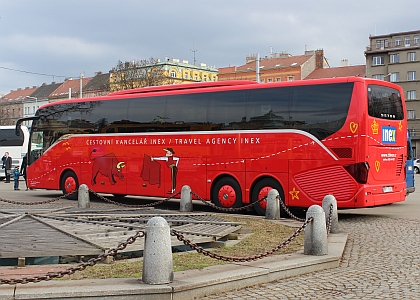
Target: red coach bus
230, 141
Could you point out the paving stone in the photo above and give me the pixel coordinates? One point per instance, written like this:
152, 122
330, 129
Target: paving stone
381, 261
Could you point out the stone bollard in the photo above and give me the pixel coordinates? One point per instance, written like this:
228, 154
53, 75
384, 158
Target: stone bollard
186, 199
83, 197
272, 210
315, 242
157, 255
326, 204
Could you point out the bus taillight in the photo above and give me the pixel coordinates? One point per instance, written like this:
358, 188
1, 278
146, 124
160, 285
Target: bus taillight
359, 171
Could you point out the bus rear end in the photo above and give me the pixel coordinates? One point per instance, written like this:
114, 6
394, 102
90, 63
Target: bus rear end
386, 137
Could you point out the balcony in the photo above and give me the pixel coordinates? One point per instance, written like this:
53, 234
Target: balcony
392, 46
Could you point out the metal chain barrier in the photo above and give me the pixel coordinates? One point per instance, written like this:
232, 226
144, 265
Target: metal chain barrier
80, 267
289, 212
208, 203
39, 202
199, 249
128, 205
329, 220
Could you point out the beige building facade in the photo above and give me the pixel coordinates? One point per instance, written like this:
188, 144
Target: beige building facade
395, 57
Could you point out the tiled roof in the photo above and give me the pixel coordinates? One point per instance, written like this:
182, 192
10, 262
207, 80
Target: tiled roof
338, 72
19, 94
45, 90
268, 63
73, 84
99, 82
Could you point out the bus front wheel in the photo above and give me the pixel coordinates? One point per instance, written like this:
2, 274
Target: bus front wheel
261, 190
227, 193
70, 184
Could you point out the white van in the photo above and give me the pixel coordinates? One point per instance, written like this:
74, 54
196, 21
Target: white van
17, 146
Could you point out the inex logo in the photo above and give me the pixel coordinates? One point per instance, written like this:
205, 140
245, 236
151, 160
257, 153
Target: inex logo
389, 135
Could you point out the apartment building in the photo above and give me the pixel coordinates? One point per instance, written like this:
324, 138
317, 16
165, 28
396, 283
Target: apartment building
395, 57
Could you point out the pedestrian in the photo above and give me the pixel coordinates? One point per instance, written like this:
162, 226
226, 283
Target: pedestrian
16, 175
23, 169
7, 166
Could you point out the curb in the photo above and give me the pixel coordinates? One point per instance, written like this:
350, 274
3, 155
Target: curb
187, 284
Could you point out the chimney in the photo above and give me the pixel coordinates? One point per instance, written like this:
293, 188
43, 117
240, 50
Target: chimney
344, 63
319, 59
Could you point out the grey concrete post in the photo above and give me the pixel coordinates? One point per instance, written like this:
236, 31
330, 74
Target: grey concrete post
272, 210
315, 242
83, 197
326, 204
186, 199
157, 255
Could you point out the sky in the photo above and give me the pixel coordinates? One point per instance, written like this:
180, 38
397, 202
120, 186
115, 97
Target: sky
47, 41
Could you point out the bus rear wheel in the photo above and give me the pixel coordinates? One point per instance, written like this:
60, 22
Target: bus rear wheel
69, 184
227, 193
261, 190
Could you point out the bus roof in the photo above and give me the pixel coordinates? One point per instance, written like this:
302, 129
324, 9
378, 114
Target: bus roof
185, 86
214, 86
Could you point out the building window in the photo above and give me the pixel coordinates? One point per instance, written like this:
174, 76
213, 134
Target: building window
416, 40
398, 42
195, 77
270, 79
394, 58
278, 79
411, 114
377, 60
411, 75
290, 78
394, 77
381, 44
407, 41
262, 81
411, 56
411, 95
186, 75
378, 76
204, 77
173, 74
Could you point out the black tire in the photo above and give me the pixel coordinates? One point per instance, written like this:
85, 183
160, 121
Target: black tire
227, 193
70, 183
261, 190
416, 170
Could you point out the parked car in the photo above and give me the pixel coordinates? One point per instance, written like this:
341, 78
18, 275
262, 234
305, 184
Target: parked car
417, 166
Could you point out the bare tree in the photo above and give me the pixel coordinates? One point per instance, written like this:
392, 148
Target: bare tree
142, 73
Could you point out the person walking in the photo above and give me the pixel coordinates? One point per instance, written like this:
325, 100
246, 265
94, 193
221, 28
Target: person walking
23, 169
7, 166
16, 175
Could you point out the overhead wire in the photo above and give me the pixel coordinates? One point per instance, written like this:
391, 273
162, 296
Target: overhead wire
35, 73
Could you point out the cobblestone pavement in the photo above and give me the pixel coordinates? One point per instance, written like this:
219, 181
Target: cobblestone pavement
381, 261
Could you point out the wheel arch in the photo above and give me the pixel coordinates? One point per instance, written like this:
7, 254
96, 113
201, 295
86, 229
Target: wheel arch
64, 171
220, 177
262, 177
